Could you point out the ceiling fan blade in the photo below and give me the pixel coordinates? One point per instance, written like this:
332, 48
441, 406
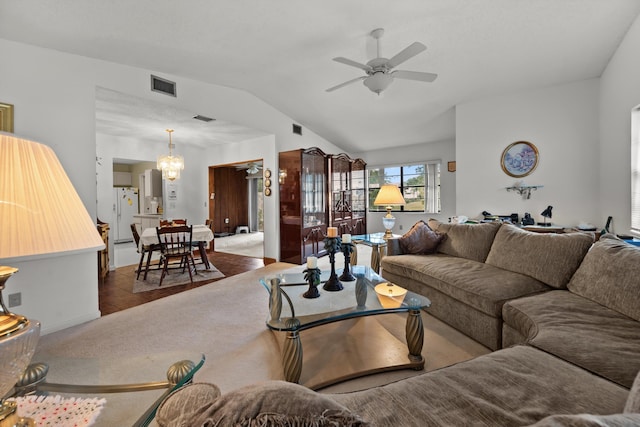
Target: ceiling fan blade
408, 53
331, 89
414, 75
353, 63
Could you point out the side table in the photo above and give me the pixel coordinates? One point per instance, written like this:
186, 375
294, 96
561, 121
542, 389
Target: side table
378, 245
132, 385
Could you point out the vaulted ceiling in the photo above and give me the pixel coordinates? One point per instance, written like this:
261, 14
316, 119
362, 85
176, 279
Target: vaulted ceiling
281, 51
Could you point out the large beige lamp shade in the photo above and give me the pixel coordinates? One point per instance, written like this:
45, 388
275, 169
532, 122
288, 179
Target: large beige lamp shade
40, 213
389, 196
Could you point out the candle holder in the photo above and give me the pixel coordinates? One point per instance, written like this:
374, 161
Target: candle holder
346, 275
312, 275
332, 245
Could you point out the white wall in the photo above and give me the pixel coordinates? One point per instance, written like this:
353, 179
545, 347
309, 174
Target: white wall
445, 151
54, 98
619, 93
562, 122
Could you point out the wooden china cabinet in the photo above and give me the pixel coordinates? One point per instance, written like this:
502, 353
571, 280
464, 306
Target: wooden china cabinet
318, 190
303, 204
347, 198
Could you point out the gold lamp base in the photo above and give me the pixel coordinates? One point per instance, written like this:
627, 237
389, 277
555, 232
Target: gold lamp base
18, 338
388, 221
9, 416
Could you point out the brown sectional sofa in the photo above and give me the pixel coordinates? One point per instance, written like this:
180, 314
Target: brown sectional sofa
480, 267
562, 313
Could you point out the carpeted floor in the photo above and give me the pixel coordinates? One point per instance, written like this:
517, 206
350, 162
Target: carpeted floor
174, 278
225, 320
247, 244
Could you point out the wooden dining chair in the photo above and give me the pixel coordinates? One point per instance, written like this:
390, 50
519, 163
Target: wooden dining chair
143, 250
179, 222
176, 245
165, 223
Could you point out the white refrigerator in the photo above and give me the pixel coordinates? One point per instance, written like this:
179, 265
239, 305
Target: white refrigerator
125, 206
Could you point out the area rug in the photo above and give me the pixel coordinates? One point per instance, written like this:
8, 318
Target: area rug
225, 320
246, 244
174, 278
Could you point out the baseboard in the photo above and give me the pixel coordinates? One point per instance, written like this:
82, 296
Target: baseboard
47, 329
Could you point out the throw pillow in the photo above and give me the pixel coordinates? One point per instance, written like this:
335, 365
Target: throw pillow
271, 403
420, 239
633, 401
177, 409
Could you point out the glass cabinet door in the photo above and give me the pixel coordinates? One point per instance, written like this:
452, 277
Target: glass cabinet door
340, 188
358, 188
314, 185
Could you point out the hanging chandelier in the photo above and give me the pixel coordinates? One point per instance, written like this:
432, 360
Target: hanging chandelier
170, 165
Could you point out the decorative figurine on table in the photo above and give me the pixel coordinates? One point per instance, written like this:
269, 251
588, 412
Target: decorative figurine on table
332, 244
347, 248
312, 275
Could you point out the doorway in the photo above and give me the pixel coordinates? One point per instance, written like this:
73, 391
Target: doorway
236, 207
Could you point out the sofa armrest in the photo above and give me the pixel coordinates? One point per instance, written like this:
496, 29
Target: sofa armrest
393, 247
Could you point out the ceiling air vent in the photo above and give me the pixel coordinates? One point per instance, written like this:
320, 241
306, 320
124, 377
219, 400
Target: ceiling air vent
297, 129
203, 118
161, 85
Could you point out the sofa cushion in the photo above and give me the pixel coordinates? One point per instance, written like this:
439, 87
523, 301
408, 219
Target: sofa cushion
633, 401
549, 257
580, 331
271, 403
610, 275
588, 420
512, 387
471, 241
420, 239
476, 284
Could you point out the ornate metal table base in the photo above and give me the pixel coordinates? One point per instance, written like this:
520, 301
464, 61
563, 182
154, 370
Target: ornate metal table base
34, 380
322, 371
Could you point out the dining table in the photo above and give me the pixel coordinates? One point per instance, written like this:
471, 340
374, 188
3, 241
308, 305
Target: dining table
201, 234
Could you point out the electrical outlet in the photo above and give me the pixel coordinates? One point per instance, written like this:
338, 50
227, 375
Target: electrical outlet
226, 220
400, 226
15, 299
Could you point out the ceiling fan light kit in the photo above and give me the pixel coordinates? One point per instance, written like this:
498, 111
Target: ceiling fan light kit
379, 75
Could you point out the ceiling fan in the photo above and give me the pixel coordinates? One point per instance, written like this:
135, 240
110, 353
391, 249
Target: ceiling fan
379, 75
252, 168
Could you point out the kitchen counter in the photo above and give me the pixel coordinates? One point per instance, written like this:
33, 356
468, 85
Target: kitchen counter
147, 221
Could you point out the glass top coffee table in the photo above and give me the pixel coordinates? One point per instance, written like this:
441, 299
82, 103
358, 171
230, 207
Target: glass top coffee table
132, 386
378, 247
367, 349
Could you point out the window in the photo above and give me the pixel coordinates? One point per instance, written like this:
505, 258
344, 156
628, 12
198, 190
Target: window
419, 184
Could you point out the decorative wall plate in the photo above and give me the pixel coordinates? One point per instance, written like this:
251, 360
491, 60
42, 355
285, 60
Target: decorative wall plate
267, 173
267, 191
267, 183
519, 159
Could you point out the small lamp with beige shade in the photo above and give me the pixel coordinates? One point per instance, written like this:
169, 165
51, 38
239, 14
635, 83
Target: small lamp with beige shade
40, 214
389, 196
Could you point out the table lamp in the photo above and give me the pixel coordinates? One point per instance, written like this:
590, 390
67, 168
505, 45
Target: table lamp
40, 213
546, 214
389, 195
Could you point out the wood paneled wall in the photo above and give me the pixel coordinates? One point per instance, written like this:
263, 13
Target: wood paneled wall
231, 199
